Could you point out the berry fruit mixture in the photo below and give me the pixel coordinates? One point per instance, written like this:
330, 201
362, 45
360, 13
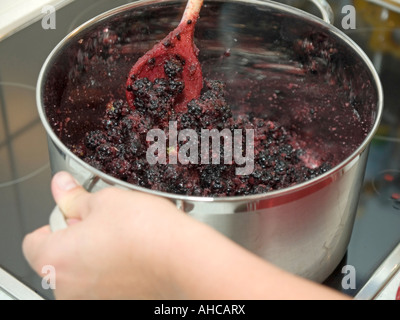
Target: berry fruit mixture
119, 146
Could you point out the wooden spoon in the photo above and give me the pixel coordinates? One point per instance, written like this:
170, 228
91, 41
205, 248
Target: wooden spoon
178, 44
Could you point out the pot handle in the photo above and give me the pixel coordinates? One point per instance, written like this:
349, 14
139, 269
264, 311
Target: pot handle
57, 219
326, 10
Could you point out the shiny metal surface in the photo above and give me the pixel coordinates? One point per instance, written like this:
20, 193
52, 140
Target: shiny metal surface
385, 282
13, 289
304, 229
326, 10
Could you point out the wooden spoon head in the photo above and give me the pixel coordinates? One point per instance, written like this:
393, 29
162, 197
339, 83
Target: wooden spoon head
177, 46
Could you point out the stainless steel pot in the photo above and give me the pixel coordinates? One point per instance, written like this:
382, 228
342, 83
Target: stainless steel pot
304, 229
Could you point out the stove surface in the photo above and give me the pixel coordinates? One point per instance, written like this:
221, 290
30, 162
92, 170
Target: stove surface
25, 198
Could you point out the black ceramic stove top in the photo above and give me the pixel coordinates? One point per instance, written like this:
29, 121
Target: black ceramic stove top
25, 199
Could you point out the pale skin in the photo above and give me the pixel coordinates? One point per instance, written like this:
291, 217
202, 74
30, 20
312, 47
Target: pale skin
129, 245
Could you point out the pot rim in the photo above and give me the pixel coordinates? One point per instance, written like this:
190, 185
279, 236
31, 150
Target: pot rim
338, 169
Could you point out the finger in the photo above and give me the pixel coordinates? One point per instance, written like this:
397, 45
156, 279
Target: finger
33, 246
71, 198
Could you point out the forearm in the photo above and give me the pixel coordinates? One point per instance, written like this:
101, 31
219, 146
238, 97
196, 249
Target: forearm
213, 267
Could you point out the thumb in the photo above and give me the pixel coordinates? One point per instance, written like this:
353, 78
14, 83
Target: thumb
71, 198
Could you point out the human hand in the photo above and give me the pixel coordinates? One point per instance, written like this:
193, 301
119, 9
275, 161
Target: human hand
129, 245
116, 245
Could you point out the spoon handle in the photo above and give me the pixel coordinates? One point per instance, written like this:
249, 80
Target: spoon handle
192, 10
